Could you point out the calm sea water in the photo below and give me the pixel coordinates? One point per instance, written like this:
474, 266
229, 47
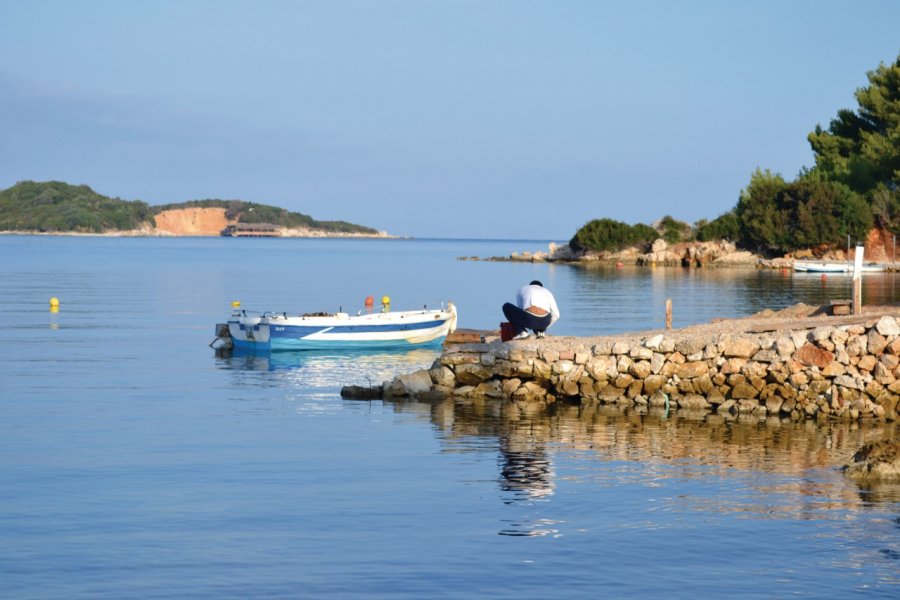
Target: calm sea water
136, 464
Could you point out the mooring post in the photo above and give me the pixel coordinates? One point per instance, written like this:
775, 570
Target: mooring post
857, 280
668, 313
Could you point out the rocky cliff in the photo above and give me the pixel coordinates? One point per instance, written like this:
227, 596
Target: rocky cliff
191, 221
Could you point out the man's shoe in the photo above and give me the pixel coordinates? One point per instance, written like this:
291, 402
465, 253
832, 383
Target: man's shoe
521, 336
539, 335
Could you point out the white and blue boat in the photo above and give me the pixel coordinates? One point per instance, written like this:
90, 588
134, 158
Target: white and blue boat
269, 331
833, 266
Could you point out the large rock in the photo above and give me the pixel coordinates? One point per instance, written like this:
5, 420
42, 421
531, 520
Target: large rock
813, 356
820, 334
444, 376
692, 369
876, 461
738, 347
621, 347
458, 358
744, 391
690, 346
602, 367
875, 342
412, 384
653, 383
640, 370
785, 347
887, 326
654, 342
490, 389
834, 369
529, 390
693, 402
469, 374
888, 402
866, 363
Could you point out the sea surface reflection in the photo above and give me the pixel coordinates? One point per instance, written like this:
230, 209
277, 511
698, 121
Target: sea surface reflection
775, 468
136, 464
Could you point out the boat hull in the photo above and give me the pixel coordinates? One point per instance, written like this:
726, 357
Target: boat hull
834, 267
379, 331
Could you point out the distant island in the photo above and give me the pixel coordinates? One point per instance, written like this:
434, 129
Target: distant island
55, 207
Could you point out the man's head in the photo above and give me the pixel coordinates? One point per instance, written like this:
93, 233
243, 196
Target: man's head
537, 283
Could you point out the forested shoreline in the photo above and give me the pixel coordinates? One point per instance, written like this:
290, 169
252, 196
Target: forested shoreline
59, 207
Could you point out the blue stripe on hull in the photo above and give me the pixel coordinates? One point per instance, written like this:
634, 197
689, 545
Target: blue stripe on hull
294, 331
285, 343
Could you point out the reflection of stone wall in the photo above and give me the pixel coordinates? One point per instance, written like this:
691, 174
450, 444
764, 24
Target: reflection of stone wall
846, 372
529, 437
631, 434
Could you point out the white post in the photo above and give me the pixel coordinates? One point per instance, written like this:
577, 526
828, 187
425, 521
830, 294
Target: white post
857, 280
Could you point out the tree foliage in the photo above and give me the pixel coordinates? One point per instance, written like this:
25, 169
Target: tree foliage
761, 226
862, 149
608, 235
673, 231
54, 206
774, 215
723, 227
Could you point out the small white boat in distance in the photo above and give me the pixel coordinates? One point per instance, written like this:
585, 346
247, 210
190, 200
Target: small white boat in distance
831, 266
271, 331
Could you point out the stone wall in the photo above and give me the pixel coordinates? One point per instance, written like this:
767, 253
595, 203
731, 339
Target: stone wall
845, 372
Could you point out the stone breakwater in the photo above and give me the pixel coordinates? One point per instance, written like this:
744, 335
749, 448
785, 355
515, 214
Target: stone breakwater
849, 371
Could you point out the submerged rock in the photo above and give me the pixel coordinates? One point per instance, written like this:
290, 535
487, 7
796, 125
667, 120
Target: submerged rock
876, 461
359, 392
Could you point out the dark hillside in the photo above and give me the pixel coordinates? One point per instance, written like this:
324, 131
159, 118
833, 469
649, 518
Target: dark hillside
55, 206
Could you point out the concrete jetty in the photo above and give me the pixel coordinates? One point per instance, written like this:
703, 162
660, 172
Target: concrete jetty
800, 365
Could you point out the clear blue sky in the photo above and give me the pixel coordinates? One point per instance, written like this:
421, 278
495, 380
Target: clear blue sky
484, 119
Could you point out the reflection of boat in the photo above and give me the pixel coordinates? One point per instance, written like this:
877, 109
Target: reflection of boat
309, 371
382, 330
830, 266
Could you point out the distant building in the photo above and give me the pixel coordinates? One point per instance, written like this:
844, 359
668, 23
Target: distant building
251, 230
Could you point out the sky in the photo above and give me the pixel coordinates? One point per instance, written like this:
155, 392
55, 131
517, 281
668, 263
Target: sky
429, 118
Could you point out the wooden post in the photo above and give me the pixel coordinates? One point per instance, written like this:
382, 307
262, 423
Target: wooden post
668, 313
857, 280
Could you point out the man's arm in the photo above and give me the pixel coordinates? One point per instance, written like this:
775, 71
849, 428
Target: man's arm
554, 310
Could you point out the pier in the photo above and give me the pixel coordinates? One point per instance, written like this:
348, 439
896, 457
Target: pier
798, 364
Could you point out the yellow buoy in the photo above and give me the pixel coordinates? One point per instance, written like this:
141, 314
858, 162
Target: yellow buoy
54, 301
236, 304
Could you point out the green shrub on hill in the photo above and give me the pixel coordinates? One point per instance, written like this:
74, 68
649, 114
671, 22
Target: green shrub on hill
610, 235
723, 227
777, 216
54, 206
673, 231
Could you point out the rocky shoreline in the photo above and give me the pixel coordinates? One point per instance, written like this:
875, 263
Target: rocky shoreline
720, 253
691, 254
795, 365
